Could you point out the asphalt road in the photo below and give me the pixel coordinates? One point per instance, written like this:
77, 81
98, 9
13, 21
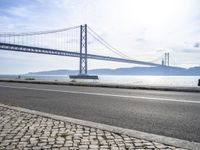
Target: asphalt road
173, 114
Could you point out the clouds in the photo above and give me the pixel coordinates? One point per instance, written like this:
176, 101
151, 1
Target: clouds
143, 29
19, 11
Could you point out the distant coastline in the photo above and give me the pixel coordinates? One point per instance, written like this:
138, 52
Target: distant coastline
155, 71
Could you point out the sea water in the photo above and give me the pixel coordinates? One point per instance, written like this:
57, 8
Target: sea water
173, 81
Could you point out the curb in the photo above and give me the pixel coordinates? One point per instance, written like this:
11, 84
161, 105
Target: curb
158, 88
137, 134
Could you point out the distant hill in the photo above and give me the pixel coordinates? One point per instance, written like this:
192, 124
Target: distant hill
162, 70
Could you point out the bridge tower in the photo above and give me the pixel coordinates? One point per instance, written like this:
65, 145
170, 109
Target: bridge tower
83, 50
83, 67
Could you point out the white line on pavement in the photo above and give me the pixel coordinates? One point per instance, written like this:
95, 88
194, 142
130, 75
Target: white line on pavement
103, 94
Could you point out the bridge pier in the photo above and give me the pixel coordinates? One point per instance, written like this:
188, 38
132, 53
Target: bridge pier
84, 77
83, 70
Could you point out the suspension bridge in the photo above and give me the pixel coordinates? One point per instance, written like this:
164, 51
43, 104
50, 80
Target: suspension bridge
78, 41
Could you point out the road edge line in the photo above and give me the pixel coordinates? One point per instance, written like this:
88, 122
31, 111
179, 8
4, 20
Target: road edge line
134, 133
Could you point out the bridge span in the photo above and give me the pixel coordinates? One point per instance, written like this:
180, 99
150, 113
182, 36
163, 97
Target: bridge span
22, 43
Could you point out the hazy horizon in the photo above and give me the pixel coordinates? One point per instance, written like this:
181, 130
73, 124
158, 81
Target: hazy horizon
141, 29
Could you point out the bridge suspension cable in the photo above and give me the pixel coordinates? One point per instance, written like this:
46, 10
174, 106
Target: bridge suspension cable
2, 34
61, 39
158, 59
106, 44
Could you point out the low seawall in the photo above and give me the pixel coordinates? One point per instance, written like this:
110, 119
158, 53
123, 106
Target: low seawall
159, 88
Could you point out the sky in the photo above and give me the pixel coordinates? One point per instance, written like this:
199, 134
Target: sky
142, 29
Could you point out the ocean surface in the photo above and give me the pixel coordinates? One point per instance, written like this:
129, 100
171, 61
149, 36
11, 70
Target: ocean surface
173, 81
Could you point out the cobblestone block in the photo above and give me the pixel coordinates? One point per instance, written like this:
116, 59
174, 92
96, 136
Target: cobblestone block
19, 130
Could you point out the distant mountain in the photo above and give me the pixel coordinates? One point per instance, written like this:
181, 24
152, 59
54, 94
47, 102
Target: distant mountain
54, 72
161, 70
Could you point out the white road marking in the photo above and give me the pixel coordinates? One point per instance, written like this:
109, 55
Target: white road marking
103, 94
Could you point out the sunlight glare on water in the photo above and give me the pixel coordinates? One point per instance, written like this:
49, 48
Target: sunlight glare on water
174, 81
179, 81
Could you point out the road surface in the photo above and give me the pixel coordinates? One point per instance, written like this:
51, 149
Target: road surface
173, 114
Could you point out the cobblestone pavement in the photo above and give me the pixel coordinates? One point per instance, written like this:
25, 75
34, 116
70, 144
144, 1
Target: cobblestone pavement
19, 130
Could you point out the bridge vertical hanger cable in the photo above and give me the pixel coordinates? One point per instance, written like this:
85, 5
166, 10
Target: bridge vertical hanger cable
106, 44
47, 46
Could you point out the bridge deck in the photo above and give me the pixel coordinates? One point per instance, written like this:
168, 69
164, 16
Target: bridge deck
39, 50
